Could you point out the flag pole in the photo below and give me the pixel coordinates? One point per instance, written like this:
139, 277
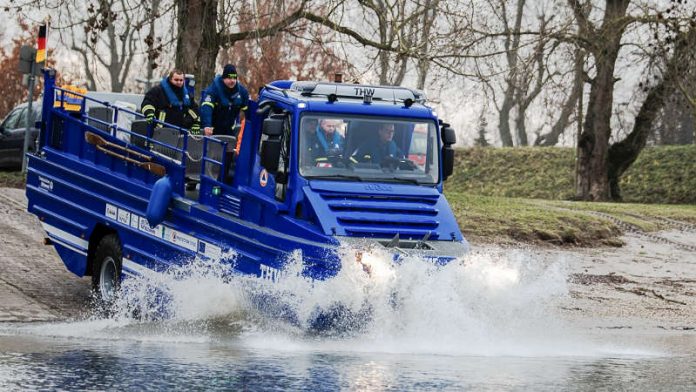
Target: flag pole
35, 65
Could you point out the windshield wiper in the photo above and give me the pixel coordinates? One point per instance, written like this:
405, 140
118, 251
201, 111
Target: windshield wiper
365, 179
337, 176
402, 179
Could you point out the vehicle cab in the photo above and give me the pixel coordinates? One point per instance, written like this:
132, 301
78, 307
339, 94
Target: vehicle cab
359, 162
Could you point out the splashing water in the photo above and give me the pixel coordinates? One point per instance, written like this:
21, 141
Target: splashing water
488, 303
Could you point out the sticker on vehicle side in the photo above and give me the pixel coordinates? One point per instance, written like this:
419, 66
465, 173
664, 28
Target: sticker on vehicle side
263, 178
165, 233
111, 211
208, 249
145, 226
124, 217
181, 239
45, 183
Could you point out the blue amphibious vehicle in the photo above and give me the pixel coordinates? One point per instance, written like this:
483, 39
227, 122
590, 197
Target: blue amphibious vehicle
115, 199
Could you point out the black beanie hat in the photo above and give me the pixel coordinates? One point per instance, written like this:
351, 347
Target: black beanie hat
229, 72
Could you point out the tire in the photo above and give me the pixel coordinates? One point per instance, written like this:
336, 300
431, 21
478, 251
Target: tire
106, 270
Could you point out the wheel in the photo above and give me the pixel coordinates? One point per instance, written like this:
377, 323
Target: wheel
106, 270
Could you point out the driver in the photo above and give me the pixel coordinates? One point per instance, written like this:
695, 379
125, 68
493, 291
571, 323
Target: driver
383, 149
325, 140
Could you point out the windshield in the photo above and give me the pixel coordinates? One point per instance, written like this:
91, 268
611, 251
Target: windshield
360, 148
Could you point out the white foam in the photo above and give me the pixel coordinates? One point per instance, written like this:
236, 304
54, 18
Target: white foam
492, 303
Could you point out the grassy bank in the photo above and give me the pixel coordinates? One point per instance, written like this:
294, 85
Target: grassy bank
665, 175
519, 194
493, 219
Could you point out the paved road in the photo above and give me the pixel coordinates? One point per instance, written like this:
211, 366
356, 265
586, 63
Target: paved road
34, 284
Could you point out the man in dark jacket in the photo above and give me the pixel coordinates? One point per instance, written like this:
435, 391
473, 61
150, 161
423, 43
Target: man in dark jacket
383, 149
222, 103
170, 102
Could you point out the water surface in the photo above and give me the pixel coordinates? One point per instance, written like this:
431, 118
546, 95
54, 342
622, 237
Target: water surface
489, 322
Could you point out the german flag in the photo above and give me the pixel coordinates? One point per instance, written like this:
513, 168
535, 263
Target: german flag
41, 50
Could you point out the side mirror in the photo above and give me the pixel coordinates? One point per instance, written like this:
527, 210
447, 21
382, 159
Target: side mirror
272, 127
449, 137
270, 148
270, 155
447, 162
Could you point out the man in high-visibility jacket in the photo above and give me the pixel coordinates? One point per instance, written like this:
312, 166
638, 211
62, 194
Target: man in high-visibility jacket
222, 103
169, 101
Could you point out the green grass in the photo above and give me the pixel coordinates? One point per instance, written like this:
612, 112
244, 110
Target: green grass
550, 222
520, 195
543, 173
12, 179
501, 220
665, 174
662, 175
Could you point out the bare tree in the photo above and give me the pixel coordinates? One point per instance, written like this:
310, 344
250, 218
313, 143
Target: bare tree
600, 165
675, 122
203, 30
13, 92
678, 62
406, 35
572, 105
291, 54
603, 43
531, 82
512, 46
525, 71
686, 82
106, 35
407, 25
152, 40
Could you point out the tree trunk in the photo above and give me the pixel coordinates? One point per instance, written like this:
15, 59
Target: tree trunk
521, 127
423, 66
151, 63
623, 154
593, 144
504, 120
198, 41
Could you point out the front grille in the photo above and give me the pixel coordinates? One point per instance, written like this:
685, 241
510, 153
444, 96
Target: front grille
383, 216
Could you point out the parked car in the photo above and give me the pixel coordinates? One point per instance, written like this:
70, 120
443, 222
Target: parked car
12, 130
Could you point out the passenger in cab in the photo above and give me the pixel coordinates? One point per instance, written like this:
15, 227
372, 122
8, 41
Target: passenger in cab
325, 140
384, 148
170, 102
223, 102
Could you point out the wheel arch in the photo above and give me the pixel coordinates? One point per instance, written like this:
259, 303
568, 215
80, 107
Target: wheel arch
100, 231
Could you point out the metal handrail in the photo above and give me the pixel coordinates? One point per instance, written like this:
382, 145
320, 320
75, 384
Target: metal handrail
114, 124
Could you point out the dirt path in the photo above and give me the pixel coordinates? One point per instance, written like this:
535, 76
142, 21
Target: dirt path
646, 284
34, 284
